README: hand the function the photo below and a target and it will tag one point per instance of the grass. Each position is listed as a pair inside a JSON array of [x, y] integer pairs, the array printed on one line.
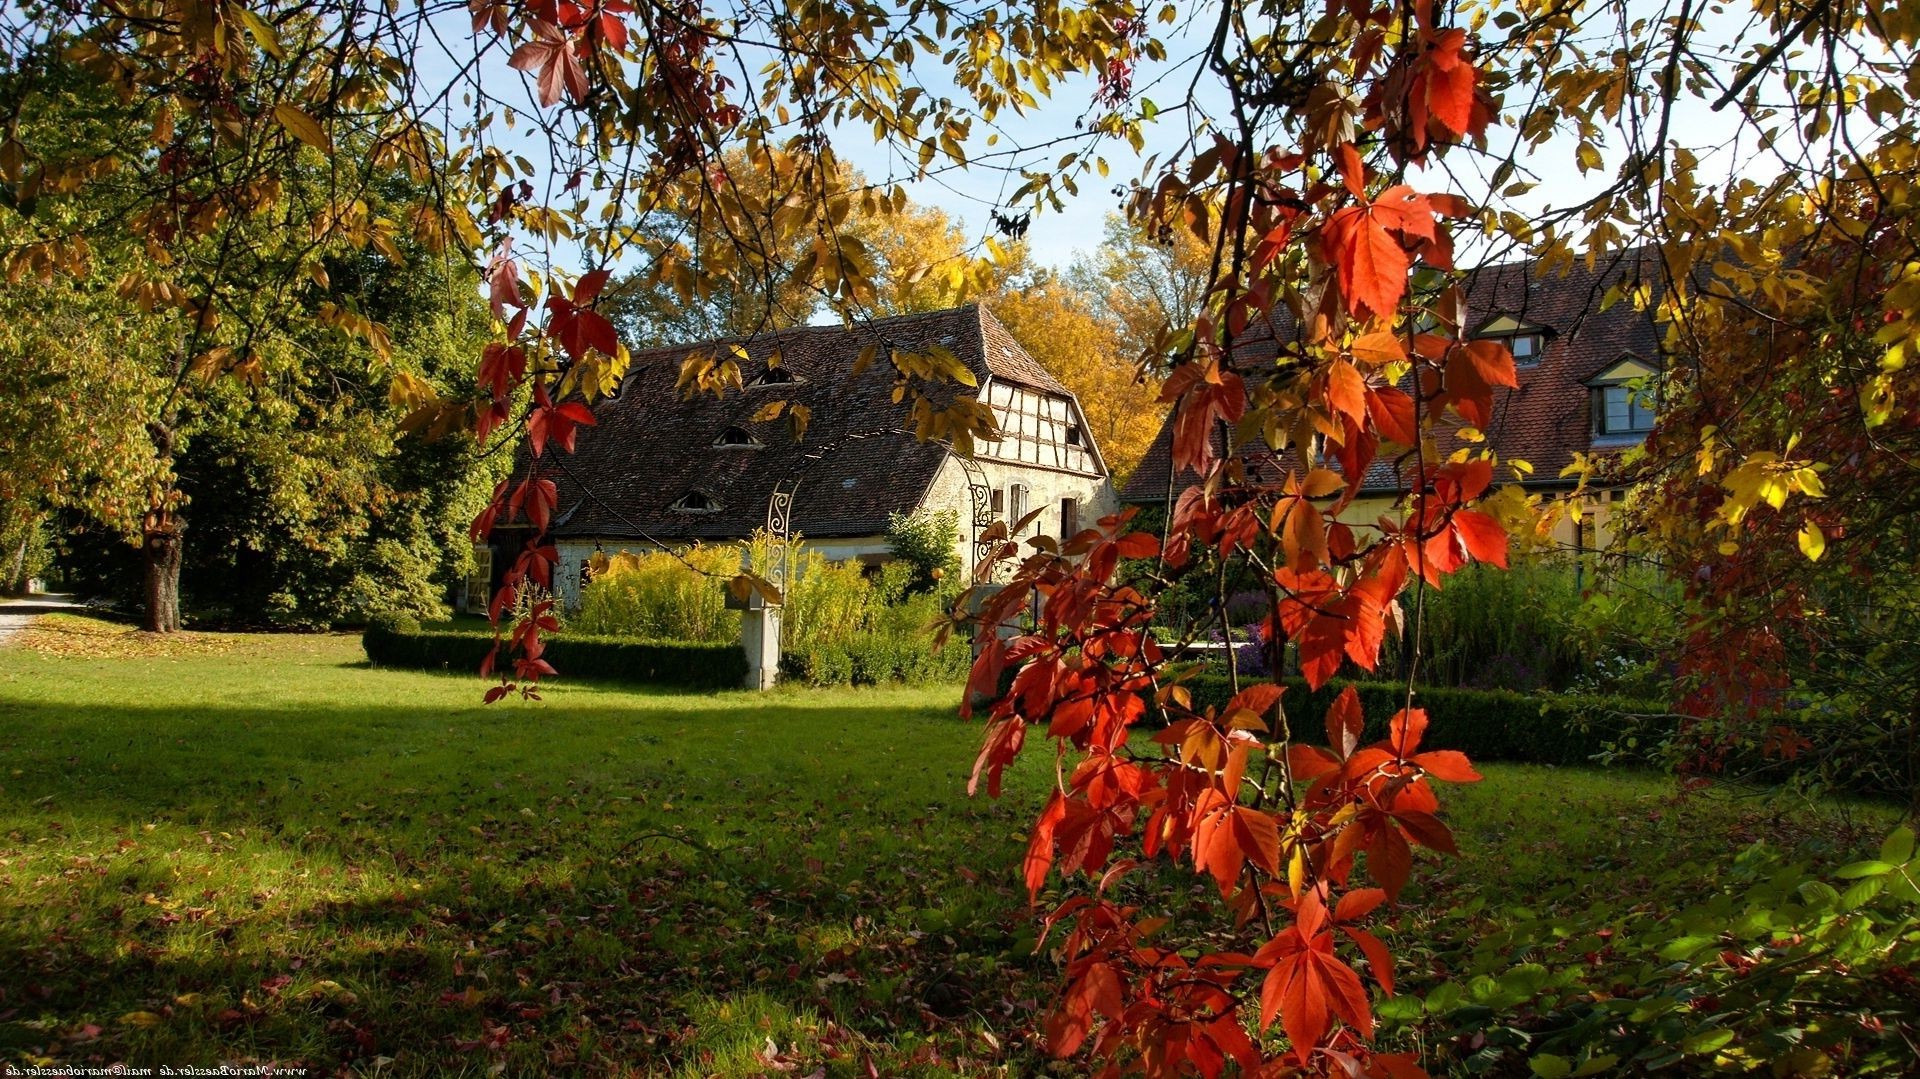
[[254, 848]]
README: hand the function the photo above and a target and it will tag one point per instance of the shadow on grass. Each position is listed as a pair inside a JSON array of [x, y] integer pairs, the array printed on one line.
[[598, 888]]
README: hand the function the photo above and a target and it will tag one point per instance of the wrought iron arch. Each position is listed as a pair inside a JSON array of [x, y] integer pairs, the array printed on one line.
[[786, 491]]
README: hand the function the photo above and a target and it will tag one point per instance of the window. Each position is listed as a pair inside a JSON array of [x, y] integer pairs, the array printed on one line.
[[1526, 348], [1016, 501], [695, 502], [736, 438], [1069, 518], [480, 581], [998, 502], [775, 376], [1620, 411], [1075, 437]]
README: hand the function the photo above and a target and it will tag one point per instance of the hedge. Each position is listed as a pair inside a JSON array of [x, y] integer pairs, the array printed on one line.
[[875, 659], [401, 643], [1485, 724]]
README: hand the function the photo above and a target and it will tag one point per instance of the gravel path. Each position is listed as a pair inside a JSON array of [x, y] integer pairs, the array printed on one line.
[[16, 614]]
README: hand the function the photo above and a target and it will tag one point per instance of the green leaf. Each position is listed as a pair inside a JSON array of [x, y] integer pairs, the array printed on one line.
[[1596, 1065], [1706, 1041], [1684, 947], [1898, 847], [1444, 998], [1863, 869], [1548, 1066]]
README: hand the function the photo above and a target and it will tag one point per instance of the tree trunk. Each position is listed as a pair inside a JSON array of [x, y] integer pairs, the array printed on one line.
[[16, 581], [163, 542]]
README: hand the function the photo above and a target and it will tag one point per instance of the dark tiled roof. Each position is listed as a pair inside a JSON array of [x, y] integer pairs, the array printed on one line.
[[650, 448], [1547, 419]]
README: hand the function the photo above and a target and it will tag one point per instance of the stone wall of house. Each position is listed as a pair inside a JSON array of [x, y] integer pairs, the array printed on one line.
[[1046, 490]]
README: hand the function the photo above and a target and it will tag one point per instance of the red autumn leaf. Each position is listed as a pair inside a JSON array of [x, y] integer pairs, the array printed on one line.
[[503, 283], [1004, 739], [1393, 415], [1258, 699], [1405, 211], [1450, 765], [1308, 985], [1481, 536], [1372, 264], [1040, 844], [1443, 86], [1379, 960], [1206, 393], [1405, 730], [1347, 390], [550, 58], [501, 367], [1345, 723], [1226, 836], [589, 287]]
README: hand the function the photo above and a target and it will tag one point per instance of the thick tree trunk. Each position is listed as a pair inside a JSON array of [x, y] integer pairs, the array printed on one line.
[[161, 548]]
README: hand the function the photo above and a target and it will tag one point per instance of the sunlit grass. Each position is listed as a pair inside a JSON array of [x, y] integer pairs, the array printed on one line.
[[256, 848]]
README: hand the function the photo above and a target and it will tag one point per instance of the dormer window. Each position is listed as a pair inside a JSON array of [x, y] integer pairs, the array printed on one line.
[[1620, 411], [1527, 342], [736, 438], [695, 501], [1623, 400], [775, 376]]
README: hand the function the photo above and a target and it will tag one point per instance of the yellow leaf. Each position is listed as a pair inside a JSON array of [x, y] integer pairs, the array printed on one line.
[[302, 127], [140, 1019], [262, 33], [1813, 542]]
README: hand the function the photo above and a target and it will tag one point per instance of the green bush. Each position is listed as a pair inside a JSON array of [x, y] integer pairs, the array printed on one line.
[[691, 664], [1779, 968], [660, 595], [1485, 724]]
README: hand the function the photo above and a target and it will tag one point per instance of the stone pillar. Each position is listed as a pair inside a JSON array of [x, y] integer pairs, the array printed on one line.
[[760, 638]]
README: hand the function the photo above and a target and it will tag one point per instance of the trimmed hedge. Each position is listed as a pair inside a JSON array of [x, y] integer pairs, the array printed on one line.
[[1485, 724], [396, 643], [876, 659]]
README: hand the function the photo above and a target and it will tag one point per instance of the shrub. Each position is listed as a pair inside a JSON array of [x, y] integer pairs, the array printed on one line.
[[1777, 969], [692, 664], [1545, 728], [926, 543], [662, 595]]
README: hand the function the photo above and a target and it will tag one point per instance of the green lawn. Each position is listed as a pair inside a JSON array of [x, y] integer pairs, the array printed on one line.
[[256, 848]]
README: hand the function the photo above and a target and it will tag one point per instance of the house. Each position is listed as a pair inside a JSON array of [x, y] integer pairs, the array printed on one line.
[[1580, 351], [659, 469]]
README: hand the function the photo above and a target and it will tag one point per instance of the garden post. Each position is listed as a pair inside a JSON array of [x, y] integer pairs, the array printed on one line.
[[760, 637]]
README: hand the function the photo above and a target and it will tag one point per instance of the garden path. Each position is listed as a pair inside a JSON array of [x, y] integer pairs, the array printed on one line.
[[17, 614]]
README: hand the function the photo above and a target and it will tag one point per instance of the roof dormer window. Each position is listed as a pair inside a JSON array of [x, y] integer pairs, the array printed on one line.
[[1526, 341], [736, 438], [775, 376], [695, 501]]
